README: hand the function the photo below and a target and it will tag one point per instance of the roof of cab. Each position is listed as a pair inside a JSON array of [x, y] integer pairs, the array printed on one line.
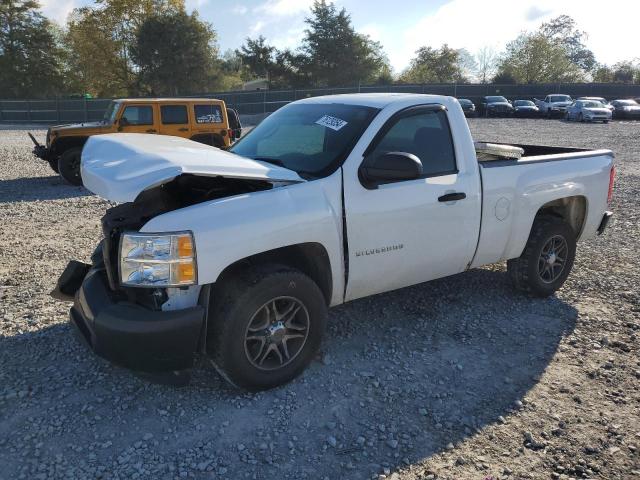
[[167, 100], [377, 100]]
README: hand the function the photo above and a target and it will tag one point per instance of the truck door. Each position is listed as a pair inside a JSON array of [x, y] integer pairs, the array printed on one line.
[[138, 119], [174, 120], [411, 231]]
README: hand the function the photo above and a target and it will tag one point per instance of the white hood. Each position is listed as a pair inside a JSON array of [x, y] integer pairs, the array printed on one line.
[[119, 166]]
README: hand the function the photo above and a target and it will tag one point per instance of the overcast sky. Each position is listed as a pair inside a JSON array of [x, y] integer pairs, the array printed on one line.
[[402, 27]]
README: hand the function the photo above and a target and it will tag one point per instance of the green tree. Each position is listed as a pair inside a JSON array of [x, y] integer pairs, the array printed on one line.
[[30, 56], [535, 58], [176, 54], [563, 31], [431, 65], [257, 57], [99, 39], [336, 55]]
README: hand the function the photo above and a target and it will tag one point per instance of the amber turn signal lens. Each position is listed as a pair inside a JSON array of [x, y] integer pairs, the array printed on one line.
[[186, 273], [185, 247]]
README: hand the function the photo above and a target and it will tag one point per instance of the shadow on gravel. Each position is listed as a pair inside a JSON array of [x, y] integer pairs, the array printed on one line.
[[404, 374], [38, 188]]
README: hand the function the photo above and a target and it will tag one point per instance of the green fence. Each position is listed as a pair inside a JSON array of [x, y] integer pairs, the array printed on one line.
[[266, 101]]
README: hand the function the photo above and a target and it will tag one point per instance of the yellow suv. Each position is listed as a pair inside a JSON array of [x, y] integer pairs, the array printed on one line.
[[204, 120]]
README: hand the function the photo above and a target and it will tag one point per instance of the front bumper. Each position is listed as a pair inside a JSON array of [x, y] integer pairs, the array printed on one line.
[[131, 335]]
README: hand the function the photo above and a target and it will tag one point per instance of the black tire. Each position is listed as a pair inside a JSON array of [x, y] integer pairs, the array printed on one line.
[[525, 271], [69, 165], [240, 302], [54, 165]]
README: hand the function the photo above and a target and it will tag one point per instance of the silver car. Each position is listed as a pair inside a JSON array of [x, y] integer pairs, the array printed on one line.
[[588, 111]]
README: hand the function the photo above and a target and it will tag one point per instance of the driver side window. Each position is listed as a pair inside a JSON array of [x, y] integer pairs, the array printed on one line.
[[426, 135], [138, 115]]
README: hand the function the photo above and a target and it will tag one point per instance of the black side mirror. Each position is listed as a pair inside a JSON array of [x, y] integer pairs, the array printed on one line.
[[390, 167]]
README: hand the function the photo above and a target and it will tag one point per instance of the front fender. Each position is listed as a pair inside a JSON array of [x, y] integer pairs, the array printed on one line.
[[230, 229]]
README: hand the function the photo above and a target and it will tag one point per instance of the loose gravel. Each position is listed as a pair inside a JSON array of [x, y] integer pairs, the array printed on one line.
[[460, 378]]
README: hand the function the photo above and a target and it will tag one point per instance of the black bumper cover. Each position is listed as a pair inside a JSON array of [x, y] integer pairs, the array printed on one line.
[[131, 335]]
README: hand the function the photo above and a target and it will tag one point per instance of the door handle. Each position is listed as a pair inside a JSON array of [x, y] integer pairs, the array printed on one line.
[[151, 130], [183, 129], [452, 197]]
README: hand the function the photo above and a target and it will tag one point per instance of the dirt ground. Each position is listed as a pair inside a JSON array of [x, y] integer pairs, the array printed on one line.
[[461, 378]]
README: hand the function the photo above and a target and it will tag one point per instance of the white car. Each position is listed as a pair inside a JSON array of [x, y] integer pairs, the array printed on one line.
[[238, 254], [554, 104], [588, 111], [602, 100]]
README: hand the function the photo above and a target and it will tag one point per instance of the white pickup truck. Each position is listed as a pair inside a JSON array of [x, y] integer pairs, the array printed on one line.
[[238, 254], [554, 104]]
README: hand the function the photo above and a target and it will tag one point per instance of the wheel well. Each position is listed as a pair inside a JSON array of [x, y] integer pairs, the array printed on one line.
[[63, 144], [572, 210], [311, 259]]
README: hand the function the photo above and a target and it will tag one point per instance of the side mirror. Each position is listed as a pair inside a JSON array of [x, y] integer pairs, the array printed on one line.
[[390, 167]]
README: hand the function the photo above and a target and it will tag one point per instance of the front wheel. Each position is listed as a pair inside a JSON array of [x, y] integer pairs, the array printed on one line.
[[547, 258], [54, 165], [69, 165], [266, 326]]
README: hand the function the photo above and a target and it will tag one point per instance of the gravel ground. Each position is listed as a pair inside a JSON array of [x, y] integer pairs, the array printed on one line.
[[460, 378]]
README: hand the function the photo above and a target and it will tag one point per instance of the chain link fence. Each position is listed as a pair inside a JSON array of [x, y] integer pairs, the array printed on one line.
[[64, 110]]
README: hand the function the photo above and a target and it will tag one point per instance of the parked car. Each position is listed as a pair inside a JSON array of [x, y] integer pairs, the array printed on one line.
[[626, 109], [204, 120], [554, 105], [525, 108], [588, 111], [468, 107], [602, 100], [237, 254], [496, 106]]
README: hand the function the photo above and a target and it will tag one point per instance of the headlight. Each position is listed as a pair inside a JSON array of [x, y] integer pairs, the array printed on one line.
[[157, 260]]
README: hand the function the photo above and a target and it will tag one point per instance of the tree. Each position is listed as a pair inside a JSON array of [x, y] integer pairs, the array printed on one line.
[[30, 55], [99, 38], [336, 55], [176, 54], [626, 72], [487, 61], [562, 30], [257, 57], [442, 65], [534, 58]]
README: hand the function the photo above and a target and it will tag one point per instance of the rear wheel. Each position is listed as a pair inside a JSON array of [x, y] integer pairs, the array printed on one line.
[[69, 165], [547, 258], [266, 326]]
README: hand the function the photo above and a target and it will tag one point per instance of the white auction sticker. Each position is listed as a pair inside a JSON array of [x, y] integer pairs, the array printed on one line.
[[331, 122]]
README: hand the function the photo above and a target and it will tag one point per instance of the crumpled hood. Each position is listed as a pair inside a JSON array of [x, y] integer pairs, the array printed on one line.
[[119, 166]]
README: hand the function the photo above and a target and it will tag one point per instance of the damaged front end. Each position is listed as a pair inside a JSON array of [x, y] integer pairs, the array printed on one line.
[[153, 329]]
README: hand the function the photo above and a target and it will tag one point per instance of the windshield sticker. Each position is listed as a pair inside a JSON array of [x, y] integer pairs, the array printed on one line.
[[331, 122]]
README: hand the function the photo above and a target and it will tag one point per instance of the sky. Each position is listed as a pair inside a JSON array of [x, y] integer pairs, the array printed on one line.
[[404, 27]]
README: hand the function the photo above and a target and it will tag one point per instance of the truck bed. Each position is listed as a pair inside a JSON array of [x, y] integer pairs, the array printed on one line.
[[541, 153]]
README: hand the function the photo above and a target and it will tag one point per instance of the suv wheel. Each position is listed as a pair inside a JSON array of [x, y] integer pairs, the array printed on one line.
[[547, 258], [69, 165], [266, 326]]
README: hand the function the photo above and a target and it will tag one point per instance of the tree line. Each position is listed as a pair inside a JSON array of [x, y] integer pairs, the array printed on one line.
[[155, 47]]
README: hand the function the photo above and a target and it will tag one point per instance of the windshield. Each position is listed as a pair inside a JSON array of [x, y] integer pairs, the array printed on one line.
[[111, 112], [308, 138], [627, 103], [559, 98], [496, 100], [523, 103], [592, 104], [464, 101]]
